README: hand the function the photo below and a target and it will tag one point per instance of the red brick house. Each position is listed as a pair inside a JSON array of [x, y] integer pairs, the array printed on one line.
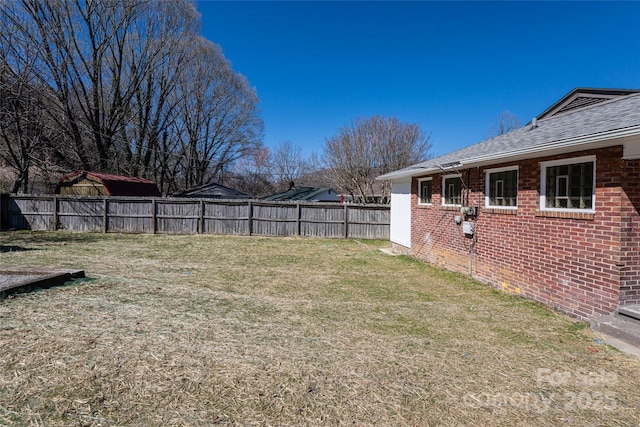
[[550, 211]]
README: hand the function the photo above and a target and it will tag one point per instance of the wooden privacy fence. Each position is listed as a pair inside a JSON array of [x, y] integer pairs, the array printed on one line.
[[191, 216]]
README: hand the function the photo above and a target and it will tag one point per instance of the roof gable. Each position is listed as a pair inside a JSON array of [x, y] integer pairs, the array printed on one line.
[[583, 97]]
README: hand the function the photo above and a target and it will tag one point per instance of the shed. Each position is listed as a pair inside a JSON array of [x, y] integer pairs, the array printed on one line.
[[83, 183]]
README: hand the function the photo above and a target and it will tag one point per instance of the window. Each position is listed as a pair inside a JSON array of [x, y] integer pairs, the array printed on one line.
[[452, 190], [501, 187], [568, 184], [424, 191]]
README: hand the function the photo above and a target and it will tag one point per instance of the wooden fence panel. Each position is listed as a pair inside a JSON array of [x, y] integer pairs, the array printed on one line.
[[190, 216], [274, 219], [80, 214], [178, 216], [322, 220], [31, 213], [369, 223], [130, 215], [226, 218]]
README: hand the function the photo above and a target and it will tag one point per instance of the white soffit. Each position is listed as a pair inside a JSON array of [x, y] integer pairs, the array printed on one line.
[[631, 149]]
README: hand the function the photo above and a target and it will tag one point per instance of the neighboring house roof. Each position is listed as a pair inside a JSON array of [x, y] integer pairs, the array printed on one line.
[[309, 194], [114, 185], [604, 124], [213, 191]]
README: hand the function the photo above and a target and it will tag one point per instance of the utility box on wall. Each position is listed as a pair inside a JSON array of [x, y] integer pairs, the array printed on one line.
[[467, 228], [468, 210]]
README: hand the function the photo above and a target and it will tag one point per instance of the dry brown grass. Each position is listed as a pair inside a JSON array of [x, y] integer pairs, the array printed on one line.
[[204, 330]]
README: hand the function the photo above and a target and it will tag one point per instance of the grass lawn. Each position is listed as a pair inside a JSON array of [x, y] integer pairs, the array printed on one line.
[[211, 330]]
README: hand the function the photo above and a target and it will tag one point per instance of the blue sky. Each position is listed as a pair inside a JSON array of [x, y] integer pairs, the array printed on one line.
[[450, 67]]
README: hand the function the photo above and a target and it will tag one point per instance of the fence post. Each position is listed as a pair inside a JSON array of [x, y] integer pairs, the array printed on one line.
[[298, 218], [55, 212], [154, 208], [201, 219], [250, 217], [346, 221], [105, 207]]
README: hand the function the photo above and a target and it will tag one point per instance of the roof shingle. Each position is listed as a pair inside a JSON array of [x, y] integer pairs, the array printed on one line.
[[599, 119]]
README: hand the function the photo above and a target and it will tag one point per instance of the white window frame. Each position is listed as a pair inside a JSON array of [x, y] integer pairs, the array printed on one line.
[[444, 189], [487, 186], [562, 162], [420, 181]]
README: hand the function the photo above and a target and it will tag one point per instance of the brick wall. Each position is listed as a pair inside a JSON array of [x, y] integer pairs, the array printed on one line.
[[583, 264], [630, 233]]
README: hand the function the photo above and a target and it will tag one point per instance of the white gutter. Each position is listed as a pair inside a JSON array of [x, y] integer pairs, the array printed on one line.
[[536, 149], [403, 174]]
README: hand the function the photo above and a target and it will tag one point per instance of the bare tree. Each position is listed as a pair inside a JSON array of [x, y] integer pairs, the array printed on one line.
[[252, 173], [503, 123], [25, 131], [288, 165], [130, 87], [315, 174], [82, 50], [370, 147], [218, 119], [22, 128], [149, 142]]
